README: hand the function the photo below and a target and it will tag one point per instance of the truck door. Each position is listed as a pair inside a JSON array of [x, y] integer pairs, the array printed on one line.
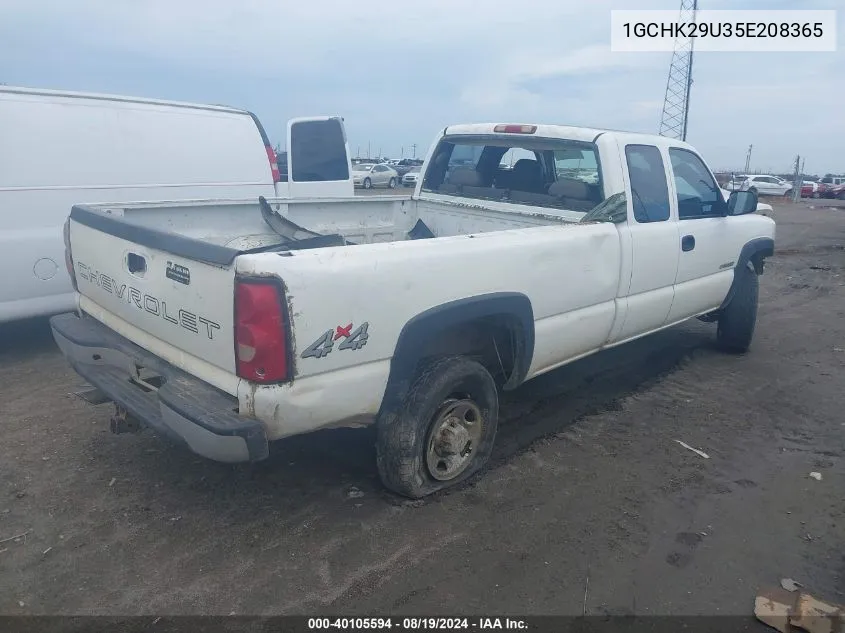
[[708, 252], [318, 159], [650, 238]]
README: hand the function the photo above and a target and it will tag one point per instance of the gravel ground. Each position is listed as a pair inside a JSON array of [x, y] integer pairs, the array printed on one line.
[[587, 482]]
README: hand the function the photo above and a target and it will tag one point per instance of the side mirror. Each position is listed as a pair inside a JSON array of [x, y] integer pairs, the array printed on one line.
[[742, 202]]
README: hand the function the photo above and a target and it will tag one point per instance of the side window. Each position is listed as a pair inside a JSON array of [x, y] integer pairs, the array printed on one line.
[[698, 194], [649, 190], [318, 151]]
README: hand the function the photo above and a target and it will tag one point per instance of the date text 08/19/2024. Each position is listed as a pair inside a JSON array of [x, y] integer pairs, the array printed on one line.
[[415, 624]]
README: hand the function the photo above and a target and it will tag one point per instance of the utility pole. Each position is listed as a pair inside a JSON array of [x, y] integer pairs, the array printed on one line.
[[748, 159], [414, 147], [368, 149], [358, 152], [796, 180], [402, 152]]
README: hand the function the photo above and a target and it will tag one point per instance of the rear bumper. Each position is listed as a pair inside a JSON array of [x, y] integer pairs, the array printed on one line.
[[184, 408]]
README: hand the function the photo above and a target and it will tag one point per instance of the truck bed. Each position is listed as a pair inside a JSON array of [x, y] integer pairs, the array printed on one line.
[[216, 231]]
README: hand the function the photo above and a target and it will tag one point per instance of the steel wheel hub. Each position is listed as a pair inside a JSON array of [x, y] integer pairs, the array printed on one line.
[[453, 439]]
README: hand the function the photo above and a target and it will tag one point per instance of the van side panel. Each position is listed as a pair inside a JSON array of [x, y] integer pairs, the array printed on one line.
[[59, 150], [78, 142]]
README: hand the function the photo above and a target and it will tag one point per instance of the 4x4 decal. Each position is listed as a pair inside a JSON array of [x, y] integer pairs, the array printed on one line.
[[353, 340]]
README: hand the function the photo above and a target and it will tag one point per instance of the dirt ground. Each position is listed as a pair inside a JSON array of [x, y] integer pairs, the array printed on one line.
[[588, 482]]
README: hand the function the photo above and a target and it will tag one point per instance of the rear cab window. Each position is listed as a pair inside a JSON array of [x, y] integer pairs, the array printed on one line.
[[542, 172], [649, 187], [318, 151]]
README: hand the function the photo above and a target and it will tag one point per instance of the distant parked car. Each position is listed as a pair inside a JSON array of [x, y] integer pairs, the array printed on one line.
[[410, 179], [735, 182], [814, 189], [809, 189], [823, 189], [764, 185], [833, 187], [404, 165], [367, 176]]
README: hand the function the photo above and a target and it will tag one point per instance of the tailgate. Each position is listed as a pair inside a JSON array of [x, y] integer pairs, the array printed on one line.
[[158, 283]]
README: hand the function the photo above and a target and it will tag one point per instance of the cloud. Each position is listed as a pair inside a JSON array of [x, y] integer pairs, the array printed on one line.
[[399, 71], [523, 75]]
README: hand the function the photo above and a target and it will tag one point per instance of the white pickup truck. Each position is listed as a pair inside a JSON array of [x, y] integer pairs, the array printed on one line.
[[230, 324]]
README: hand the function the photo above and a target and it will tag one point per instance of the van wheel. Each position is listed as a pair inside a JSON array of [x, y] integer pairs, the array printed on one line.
[[738, 319], [391, 184], [368, 184], [443, 431]]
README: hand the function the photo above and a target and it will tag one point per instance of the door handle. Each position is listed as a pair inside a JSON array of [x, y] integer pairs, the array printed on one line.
[[687, 243]]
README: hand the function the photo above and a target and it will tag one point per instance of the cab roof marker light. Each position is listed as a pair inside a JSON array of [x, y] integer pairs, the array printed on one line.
[[511, 128]]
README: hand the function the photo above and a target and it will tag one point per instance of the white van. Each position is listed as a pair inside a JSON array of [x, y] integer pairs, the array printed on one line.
[[58, 149]]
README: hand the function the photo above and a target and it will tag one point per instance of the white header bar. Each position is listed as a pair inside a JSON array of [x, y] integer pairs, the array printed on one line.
[[724, 31]]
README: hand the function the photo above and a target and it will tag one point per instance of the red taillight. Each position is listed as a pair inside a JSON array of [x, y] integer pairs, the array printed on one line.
[[68, 255], [274, 164], [261, 350], [515, 129]]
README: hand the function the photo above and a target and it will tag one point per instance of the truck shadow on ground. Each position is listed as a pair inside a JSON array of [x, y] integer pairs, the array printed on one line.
[[341, 462], [335, 463], [23, 339]]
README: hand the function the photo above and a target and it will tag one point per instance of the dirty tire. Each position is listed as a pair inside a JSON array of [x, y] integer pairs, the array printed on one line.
[[368, 184], [403, 434], [737, 321]]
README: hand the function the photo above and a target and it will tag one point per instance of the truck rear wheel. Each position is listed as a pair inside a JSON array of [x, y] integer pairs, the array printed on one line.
[[443, 432], [737, 320]]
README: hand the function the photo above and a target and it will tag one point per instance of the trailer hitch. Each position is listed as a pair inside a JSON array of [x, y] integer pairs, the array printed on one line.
[[123, 422]]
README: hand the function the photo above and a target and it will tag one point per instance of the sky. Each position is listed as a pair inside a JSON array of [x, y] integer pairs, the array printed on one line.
[[400, 70]]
